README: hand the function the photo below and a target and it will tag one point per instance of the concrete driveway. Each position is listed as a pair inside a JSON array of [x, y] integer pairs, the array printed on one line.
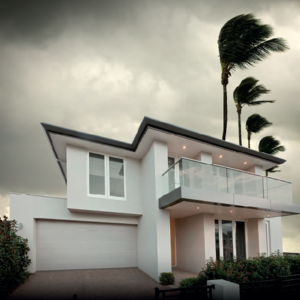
[[128, 283]]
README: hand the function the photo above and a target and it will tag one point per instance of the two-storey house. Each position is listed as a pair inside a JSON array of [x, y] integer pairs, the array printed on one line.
[[173, 197]]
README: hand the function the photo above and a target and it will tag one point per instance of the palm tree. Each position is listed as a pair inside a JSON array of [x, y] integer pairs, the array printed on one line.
[[255, 124], [246, 94], [243, 42], [272, 170], [270, 145]]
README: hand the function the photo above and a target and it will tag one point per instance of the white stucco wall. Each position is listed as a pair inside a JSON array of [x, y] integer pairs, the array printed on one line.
[[154, 245], [195, 241], [275, 234], [256, 170], [77, 187], [27, 208], [256, 233], [257, 241], [204, 157]]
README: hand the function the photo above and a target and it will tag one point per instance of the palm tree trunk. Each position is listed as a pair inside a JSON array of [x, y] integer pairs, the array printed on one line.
[[225, 113], [249, 138], [224, 82], [239, 111]]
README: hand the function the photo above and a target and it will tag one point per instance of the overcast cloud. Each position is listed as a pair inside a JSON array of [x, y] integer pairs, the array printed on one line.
[[101, 66]]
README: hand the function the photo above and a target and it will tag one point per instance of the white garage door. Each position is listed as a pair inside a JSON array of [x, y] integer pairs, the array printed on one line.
[[63, 245]]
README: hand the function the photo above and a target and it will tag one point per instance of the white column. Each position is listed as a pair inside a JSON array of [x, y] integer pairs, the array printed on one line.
[[195, 241], [154, 244], [256, 237], [256, 169], [204, 157], [275, 234]]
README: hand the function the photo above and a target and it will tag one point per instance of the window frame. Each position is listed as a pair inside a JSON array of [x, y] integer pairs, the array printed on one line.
[[268, 237], [233, 236], [106, 178]]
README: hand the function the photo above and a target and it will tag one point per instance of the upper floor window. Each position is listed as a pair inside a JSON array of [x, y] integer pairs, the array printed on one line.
[[106, 176]]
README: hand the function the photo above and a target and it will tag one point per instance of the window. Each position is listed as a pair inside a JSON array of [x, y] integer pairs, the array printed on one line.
[[227, 240], [240, 240], [106, 176], [230, 238], [268, 238], [171, 175], [217, 239], [97, 174]]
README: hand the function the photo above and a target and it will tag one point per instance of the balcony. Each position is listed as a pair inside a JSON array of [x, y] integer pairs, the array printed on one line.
[[193, 181]]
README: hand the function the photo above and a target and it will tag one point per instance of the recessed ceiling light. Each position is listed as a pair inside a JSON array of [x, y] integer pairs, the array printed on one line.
[[197, 207], [231, 211], [221, 156], [245, 163], [268, 215], [184, 147]]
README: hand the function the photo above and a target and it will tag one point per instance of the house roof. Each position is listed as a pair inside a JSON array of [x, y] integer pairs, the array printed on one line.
[[157, 125]]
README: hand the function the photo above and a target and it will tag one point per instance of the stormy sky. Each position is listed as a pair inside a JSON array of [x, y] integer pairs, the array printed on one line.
[[101, 66]]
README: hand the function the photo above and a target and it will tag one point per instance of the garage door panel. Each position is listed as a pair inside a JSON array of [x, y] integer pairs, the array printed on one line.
[[78, 254], [87, 264], [79, 245], [72, 245], [67, 234]]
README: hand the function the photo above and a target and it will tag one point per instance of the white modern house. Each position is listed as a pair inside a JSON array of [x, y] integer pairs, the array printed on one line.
[[173, 197]]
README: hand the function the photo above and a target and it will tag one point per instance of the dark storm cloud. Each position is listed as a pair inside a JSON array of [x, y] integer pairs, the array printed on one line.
[[39, 21], [100, 66]]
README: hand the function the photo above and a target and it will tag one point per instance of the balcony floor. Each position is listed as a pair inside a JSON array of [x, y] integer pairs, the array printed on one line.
[[183, 202]]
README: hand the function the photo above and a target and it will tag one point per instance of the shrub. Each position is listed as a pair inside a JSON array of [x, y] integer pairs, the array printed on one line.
[[248, 270], [13, 257], [189, 282], [166, 278], [294, 263]]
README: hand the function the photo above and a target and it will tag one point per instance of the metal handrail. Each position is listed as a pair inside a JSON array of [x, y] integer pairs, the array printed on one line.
[[197, 161]]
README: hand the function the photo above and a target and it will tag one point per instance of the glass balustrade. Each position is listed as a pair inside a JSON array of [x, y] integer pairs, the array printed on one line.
[[195, 174]]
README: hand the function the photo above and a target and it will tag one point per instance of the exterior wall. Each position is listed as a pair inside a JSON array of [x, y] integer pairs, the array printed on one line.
[[256, 237], [204, 157], [154, 245], [195, 241], [27, 208], [77, 188], [256, 170], [275, 234]]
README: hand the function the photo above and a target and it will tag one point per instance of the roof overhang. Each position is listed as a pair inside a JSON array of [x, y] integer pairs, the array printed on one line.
[[149, 130]]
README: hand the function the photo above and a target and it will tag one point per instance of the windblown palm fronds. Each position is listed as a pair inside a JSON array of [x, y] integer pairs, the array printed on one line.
[[247, 93], [255, 124], [243, 42]]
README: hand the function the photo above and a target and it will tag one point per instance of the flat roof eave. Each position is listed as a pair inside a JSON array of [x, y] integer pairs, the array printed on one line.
[[155, 124]]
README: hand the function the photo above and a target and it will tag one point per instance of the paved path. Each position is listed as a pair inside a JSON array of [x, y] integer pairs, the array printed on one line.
[[128, 283]]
